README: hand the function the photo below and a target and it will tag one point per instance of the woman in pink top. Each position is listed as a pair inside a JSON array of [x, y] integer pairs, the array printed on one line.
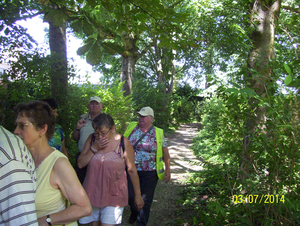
[[105, 182]]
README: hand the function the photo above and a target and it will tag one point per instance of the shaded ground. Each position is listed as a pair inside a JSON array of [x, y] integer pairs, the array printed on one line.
[[166, 209]]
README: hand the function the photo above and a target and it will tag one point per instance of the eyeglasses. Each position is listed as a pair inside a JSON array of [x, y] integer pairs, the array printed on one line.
[[22, 125], [101, 134]]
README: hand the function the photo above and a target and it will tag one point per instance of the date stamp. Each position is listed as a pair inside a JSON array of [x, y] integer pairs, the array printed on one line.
[[258, 199]]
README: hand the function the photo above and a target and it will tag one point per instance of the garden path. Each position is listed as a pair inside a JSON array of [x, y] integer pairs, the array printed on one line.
[[165, 209]]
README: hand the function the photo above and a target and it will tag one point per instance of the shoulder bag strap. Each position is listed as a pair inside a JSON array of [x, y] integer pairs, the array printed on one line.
[[142, 137], [122, 144]]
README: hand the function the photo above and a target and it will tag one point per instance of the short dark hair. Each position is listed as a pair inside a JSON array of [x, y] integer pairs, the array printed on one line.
[[51, 103], [39, 113], [103, 120]]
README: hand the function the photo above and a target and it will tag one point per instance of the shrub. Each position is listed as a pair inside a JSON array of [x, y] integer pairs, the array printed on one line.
[[274, 169]]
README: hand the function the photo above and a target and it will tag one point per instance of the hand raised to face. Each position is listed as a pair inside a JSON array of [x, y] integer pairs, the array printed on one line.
[[100, 143], [80, 124]]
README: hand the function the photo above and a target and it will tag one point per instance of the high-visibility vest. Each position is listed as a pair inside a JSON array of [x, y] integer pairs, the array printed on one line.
[[159, 152]]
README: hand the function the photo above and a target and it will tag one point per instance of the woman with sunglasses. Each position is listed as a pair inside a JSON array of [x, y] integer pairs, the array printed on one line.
[[57, 183], [108, 155]]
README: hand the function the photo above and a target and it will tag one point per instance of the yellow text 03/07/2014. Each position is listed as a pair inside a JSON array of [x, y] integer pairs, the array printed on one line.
[[258, 199]]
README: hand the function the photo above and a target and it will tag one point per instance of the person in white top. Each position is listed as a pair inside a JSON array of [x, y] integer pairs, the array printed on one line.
[[17, 182]]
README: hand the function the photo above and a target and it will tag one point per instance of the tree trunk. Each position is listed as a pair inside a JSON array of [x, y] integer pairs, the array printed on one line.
[[263, 23], [128, 65], [129, 60], [165, 66], [59, 69]]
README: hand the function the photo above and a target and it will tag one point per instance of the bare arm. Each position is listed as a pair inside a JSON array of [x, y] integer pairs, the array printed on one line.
[[63, 177], [131, 169], [167, 161], [86, 154], [76, 132], [76, 135]]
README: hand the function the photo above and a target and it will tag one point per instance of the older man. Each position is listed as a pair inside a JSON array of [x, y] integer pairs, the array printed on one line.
[[17, 182], [84, 128]]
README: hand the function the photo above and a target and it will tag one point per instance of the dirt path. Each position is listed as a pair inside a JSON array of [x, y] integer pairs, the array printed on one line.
[[165, 208]]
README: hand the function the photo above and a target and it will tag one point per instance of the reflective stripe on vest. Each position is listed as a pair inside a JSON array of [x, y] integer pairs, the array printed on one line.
[[159, 152]]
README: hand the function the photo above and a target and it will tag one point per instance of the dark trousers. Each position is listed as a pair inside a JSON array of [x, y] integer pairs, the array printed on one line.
[[80, 172], [148, 182]]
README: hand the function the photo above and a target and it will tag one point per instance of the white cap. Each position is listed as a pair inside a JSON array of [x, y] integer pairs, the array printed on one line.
[[95, 98], [145, 111]]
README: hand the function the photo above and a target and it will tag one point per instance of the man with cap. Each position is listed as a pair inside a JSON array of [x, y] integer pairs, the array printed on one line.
[[84, 128], [152, 161]]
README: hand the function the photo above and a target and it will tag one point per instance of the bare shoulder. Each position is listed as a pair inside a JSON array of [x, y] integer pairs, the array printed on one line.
[[62, 173], [117, 136], [62, 164]]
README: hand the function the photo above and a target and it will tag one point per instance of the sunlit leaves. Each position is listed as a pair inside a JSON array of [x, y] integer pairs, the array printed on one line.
[[83, 49], [93, 57], [112, 48], [243, 94], [288, 79], [288, 69], [291, 80]]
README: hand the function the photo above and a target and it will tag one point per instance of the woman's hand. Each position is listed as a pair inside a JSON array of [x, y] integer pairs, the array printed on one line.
[[100, 143], [138, 202], [42, 221], [167, 175]]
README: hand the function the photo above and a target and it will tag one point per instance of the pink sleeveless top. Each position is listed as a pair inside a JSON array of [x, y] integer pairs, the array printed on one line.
[[105, 182]]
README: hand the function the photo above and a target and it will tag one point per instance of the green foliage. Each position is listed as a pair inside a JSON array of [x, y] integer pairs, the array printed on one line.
[[118, 106], [111, 22], [182, 109], [186, 104], [274, 155], [28, 79], [291, 80], [144, 94]]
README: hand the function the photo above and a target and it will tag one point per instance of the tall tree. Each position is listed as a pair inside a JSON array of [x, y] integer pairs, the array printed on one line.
[[263, 23], [56, 16]]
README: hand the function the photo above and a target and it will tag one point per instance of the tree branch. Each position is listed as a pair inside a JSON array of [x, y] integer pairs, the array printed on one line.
[[145, 50], [30, 16]]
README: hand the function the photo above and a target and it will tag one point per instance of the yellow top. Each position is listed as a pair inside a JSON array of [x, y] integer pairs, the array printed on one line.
[[47, 199]]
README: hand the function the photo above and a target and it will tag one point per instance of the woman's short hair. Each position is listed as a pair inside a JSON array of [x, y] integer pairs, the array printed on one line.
[[39, 113], [102, 120], [52, 103]]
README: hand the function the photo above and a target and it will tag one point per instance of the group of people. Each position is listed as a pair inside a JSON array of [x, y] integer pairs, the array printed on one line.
[[112, 170], [38, 184]]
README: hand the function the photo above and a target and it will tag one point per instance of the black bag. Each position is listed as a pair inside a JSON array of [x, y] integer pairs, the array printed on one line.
[[80, 172]]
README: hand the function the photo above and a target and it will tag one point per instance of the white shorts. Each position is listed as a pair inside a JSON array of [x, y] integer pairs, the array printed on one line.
[[107, 215]]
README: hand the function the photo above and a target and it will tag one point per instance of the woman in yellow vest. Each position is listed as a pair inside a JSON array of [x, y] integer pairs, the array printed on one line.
[[152, 161], [57, 182]]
